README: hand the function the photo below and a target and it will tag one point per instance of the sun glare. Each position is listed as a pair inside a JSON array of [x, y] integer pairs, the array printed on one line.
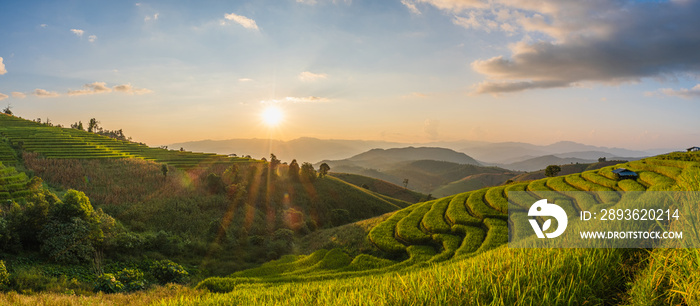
[[272, 116]]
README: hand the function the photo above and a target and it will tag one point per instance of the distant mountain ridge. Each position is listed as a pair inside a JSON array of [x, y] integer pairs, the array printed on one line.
[[307, 149]]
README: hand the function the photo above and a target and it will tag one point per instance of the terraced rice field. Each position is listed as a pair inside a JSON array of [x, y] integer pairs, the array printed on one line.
[[13, 184], [54, 142], [460, 226]]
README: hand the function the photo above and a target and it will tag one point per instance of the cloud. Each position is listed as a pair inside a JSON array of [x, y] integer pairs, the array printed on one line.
[[454, 6], [128, 89], [242, 20], [307, 76], [245, 80], [43, 25], [411, 6], [19, 95], [582, 42], [94, 88], [92, 38], [309, 2], [681, 93], [78, 32], [309, 99], [149, 17], [3, 96], [42, 93], [430, 127], [2, 67]]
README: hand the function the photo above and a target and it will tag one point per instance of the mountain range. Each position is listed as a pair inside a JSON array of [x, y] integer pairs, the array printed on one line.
[[502, 153]]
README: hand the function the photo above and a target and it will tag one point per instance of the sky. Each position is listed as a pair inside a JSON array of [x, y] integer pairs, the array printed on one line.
[[607, 73]]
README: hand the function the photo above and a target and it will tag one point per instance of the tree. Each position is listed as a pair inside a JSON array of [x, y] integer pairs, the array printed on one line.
[[552, 170], [323, 169], [78, 126], [8, 110], [274, 163], [294, 170], [405, 183], [601, 159], [308, 173], [93, 125], [164, 170]]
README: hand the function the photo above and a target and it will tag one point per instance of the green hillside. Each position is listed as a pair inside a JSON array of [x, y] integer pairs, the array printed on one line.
[[56, 143], [450, 250], [215, 214], [382, 187]]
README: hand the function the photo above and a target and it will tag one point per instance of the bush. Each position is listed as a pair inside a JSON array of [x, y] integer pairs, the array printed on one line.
[[132, 279], [165, 271], [108, 283], [4, 276]]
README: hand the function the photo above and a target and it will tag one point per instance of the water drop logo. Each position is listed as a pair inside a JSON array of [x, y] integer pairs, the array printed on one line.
[[543, 209]]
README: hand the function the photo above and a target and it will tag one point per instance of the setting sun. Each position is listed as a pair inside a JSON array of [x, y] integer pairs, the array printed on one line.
[[272, 116]]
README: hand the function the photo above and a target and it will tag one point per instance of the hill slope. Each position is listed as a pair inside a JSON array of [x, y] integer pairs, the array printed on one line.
[[465, 231]]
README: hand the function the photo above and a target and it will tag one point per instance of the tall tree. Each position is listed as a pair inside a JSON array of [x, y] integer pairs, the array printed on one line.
[[294, 170], [552, 170], [308, 173], [323, 170], [93, 125]]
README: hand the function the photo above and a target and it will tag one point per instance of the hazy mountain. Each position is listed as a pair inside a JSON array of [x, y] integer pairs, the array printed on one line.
[[513, 152], [302, 149], [376, 158]]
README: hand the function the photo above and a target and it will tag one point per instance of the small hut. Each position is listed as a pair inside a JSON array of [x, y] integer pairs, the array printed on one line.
[[623, 174]]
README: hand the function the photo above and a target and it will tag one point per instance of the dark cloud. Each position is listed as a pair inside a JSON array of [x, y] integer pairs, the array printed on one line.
[[608, 42]]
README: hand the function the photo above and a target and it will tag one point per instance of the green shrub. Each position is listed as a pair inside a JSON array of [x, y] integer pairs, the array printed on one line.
[[4, 276], [166, 271], [132, 279], [108, 283]]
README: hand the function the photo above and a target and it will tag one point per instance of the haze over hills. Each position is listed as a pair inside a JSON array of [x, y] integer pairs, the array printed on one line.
[[314, 150], [426, 169]]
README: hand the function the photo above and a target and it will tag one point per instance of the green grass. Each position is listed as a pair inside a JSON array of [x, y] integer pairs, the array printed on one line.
[[434, 220]]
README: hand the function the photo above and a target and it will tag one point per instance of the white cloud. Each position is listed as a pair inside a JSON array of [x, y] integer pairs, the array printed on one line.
[[128, 89], [154, 17], [309, 99], [3, 96], [92, 38], [245, 80], [42, 93], [78, 32], [309, 2], [430, 127], [307, 76], [19, 95], [2, 67], [43, 25], [682, 93], [94, 88], [411, 6], [455, 6], [243, 21]]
